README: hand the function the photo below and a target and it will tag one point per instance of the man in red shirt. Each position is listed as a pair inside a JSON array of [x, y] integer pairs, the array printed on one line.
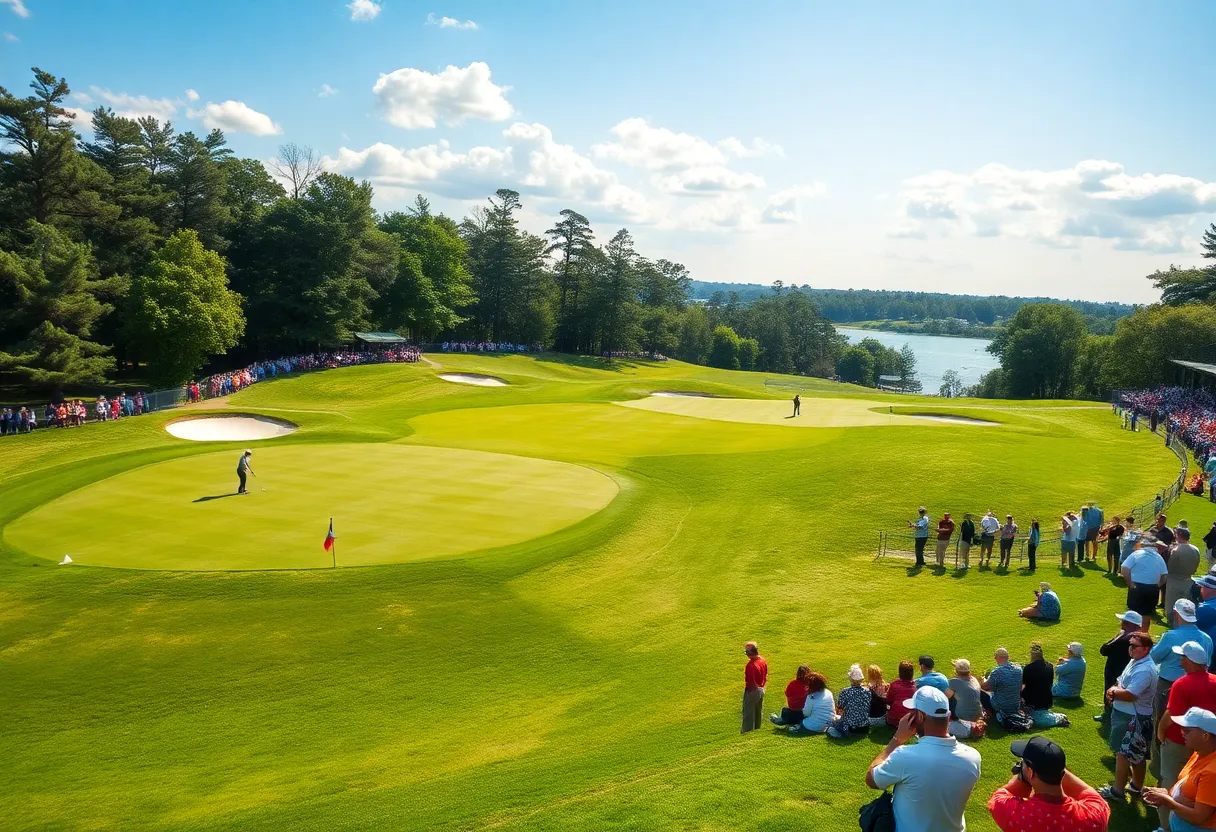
[[945, 528], [1043, 794], [755, 677], [1195, 689]]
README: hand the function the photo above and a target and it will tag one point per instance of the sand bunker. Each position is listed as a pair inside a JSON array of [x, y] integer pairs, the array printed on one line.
[[473, 378], [816, 412], [951, 417], [229, 428], [682, 394]]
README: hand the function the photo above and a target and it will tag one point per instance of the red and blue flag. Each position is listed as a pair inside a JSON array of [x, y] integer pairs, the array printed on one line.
[[331, 537]]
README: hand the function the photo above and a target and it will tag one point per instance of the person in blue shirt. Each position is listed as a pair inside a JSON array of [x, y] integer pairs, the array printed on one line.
[[1070, 673], [1081, 530], [921, 535], [1032, 542], [1093, 522], [1205, 613], [1046, 606], [929, 676]]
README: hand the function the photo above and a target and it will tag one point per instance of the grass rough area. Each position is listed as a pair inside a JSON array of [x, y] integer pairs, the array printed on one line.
[[586, 674]]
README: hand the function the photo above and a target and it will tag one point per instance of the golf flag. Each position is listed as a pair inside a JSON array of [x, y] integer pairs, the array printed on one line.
[[331, 537]]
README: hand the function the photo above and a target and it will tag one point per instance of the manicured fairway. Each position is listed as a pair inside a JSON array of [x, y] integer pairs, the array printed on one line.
[[558, 646], [390, 504]]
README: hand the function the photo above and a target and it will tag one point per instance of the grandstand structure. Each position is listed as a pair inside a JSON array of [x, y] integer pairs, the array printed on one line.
[[1194, 374]]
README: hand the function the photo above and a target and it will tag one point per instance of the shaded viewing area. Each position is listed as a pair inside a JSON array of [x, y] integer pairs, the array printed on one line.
[[1194, 374]]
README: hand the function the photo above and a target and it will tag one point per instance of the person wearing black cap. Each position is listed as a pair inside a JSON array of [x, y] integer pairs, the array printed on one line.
[[1044, 794]]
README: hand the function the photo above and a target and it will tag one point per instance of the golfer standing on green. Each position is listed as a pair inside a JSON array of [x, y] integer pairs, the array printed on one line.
[[241, 468]]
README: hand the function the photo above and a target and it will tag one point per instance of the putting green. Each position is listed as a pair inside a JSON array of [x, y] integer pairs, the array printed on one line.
[[390, 504], [816, 412]]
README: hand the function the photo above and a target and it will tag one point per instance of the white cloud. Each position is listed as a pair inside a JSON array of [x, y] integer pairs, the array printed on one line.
[[18, 7], [191, 95], [639, 145], [449, 22], [1093, 200], [414, 98], [326, 91], [10, 37], [709, 179], [758, 147], [236, 117], [531, 162], [135, 106], [81, 118], [363, 9], [783, 206]]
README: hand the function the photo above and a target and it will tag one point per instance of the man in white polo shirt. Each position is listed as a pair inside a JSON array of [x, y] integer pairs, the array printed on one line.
[[933, 779]]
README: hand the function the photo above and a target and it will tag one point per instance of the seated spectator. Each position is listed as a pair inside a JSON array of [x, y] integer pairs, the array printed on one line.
[[820, 708], [932, 779], [853, 707], [1037, 678], [968, 721], [929, 676], [1070, 673], [795, 699], [1044, 795], [1004, 684], [1046, 605], [878, 694], [901, 689], [1192, 801]]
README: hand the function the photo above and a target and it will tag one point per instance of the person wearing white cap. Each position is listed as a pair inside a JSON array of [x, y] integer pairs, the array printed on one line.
[[934, 778], [921, 534], [1116, 653], [968, 703], [1144, 573], [1169, 661], [1195, 689], [1070, 673], [1131, 718], [1191, 803]]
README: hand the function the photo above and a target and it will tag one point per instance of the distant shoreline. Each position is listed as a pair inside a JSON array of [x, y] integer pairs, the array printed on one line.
[[978, 333]]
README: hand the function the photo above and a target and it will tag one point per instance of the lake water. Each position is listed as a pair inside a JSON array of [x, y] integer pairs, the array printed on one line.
[[935, 354]]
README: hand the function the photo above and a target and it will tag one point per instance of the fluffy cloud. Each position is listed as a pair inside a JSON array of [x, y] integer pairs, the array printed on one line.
[[363, 9], [191, 95], [414, 98], [531, 161], [326, 91], [782, 207], [134, 106], [707, 180], [1094, 199], [236, 117], [640, 145], [449, 22], [10, 37], [17, 6]]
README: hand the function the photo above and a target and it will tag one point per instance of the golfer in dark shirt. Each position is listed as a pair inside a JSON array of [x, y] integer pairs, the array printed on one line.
[[242, 468], [797, 405]]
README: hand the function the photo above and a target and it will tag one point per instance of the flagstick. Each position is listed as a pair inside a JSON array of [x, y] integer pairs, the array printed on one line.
[[333, 549]]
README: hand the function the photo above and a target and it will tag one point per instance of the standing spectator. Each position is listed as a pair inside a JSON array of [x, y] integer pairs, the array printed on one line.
[[1114, 532], [1068, 540], [1118, 654], [1181, 566], [1144, 572], [1131, 718], [920, 535], [1196, 688], [934, 778], [989, 526], [795, 699], [1170, 664], [1044, 795], [945, 528], [1205, 613], [1192, 801], [755, 677], [1081, 529], [967, 536], [1008, 532], [968, 718], [1032, 542], [1093, 525], [853, 706], [1209, 540], [1070, 673], [900, 690], [1004, 684], [1037, 679]]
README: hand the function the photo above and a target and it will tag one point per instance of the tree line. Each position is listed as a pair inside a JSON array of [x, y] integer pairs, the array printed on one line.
[[1046, 351], [149, 251]]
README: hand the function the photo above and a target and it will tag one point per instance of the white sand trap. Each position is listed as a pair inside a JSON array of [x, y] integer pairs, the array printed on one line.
[[473, 378], [954, 418], [816, 412], [229, 428], [682, 394]]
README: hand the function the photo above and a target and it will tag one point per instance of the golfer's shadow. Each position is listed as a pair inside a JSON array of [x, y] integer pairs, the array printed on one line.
[[216, 497]]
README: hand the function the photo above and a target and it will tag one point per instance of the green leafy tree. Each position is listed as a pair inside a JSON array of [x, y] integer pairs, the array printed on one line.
[[908, 382], [50, 292], [952, 385], [442, 287], [497, 261], [1182, 286], [197, 184], [696, 335], [615, 295], [749, 353], [571, 240], [724, 352], [180, 310], [856, 366], [1039, 349], [1145, 341]]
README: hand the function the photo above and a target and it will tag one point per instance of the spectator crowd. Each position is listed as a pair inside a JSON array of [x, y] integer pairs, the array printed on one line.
[[488, 346], [73, 413]]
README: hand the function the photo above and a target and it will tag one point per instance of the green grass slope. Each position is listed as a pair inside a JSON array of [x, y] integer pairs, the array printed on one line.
[[587, 677]]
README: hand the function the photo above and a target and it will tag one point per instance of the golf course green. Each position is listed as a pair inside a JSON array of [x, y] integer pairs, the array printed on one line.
[[541, 598]]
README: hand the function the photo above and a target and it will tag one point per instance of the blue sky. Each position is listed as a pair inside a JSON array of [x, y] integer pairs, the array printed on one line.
[[1060, 149]]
